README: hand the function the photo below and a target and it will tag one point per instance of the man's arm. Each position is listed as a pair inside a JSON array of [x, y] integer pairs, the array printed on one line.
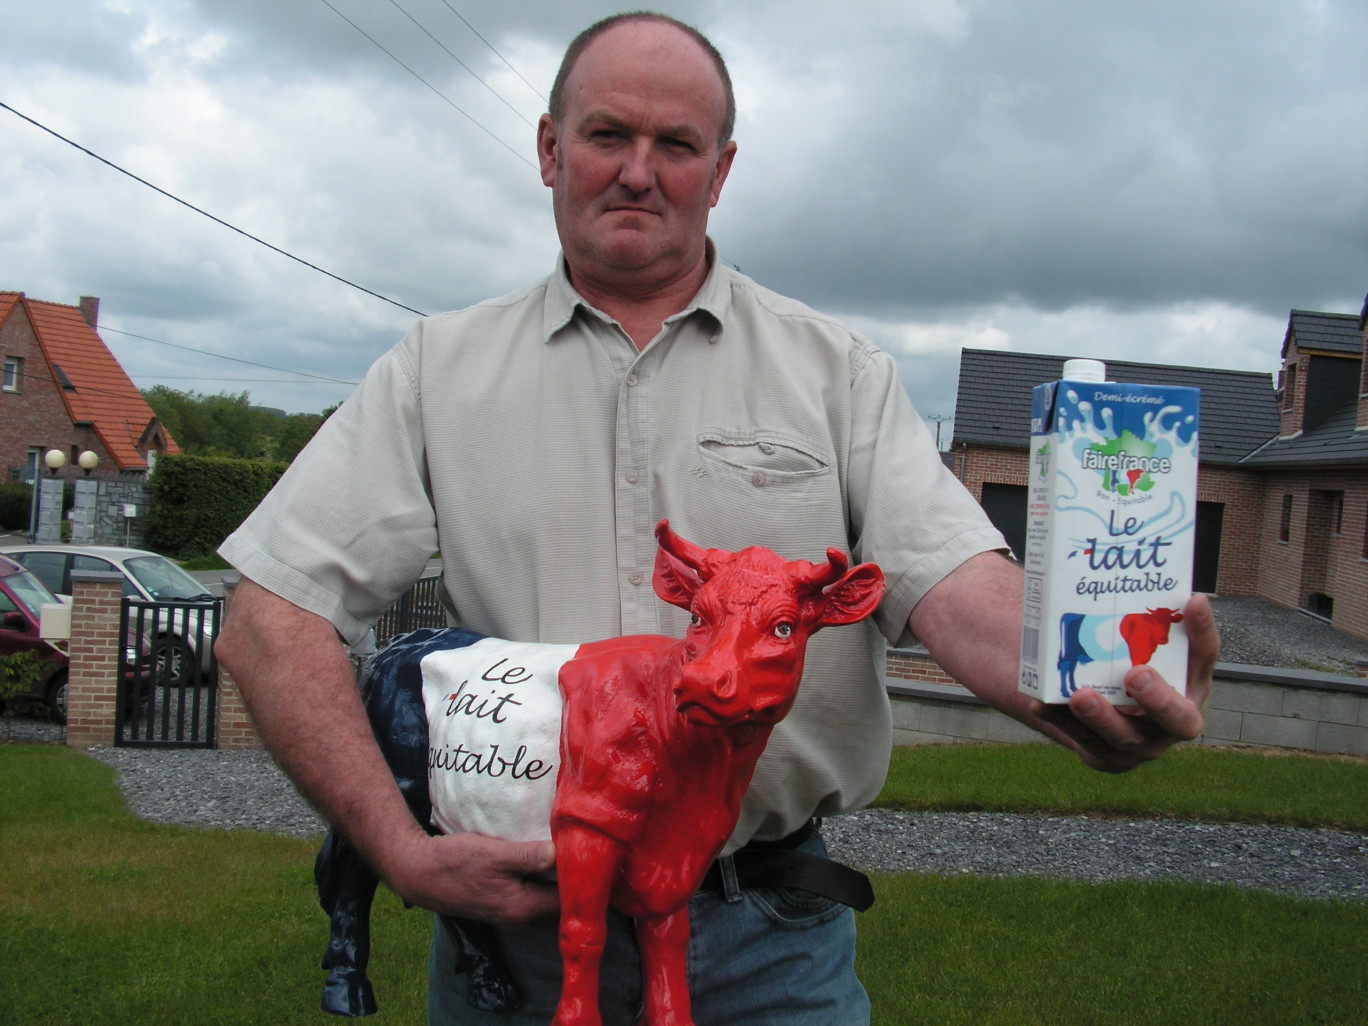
[[970, 622], [299, 685]]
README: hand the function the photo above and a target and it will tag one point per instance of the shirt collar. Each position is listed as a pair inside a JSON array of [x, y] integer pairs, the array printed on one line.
[[562, 301]]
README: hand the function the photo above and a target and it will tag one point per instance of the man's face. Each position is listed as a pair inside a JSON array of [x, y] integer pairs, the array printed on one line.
[[634, 166]]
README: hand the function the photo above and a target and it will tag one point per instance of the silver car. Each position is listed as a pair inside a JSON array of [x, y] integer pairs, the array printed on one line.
[[147, 577]]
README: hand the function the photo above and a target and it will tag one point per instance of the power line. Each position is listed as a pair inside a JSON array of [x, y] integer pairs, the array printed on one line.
[[430, 86], [205, 213], [462, 63], [493, 51], [231, 359]]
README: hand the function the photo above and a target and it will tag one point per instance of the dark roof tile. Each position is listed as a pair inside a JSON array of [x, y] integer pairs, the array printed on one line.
[[993, 407]]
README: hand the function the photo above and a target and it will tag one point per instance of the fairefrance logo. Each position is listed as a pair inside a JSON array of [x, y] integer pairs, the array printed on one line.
[[1127, 463], [1042, 460]]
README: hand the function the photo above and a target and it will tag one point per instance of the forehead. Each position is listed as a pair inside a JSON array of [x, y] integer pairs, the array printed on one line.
[[646, 68], [746, 582]]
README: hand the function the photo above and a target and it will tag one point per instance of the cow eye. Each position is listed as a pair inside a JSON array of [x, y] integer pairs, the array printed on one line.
[[783, 630], [694, 619]]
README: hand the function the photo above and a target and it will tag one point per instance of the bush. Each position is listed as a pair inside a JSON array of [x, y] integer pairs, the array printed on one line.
[[197, 501], [15, 504], [20, 674]]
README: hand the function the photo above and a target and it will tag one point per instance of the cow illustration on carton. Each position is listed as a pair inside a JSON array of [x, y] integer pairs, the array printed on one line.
[[653, 740], [1088, 637]]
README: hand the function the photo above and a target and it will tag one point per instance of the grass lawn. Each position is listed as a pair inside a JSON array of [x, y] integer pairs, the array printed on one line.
[[107, 919]]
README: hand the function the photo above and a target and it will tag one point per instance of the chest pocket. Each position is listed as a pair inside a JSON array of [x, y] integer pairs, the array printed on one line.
[[761, 458]]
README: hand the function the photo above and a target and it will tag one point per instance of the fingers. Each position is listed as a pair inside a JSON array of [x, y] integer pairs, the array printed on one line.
[[1204, 647], [477, 877]]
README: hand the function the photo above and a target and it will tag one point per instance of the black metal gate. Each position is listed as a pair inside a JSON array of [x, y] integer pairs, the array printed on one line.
[[420, 606], [168, 676]]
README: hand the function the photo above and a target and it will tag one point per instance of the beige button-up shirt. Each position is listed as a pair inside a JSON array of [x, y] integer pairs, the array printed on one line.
[[529, 441]]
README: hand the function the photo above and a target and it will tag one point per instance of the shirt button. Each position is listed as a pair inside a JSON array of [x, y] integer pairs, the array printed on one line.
[[758, 479], [636, 580], [632, 477], [631, 380]]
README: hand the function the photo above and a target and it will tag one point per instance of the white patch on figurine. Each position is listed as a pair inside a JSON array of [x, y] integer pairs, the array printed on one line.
[[494, 715]]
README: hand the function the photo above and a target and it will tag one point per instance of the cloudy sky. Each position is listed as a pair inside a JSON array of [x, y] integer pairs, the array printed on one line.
[[1135, 179]]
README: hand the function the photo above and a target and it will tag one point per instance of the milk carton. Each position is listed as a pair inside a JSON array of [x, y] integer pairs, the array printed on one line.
[[1109, 533]]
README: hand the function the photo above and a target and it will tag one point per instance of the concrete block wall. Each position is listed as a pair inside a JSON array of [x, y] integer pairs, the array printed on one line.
[[1249, 705], [1316, 712]]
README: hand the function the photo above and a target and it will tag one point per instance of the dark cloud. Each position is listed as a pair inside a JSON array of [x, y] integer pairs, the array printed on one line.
[[1168, 178]]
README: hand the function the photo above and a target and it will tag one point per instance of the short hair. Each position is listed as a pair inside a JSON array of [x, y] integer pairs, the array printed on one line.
[[556, 106]]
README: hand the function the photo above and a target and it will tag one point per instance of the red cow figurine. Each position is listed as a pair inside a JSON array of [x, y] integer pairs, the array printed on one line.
[[659, 738]]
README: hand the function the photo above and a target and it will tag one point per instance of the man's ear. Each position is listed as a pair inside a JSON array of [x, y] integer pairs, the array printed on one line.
[[548, 141], [721, 170]]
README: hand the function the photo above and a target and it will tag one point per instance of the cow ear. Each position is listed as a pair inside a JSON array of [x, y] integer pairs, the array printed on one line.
[[853, 597], [674, 581]]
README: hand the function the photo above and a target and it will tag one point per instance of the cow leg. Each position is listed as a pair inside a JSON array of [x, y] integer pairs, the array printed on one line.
[[586, 865], [665, 969], [346, 888]]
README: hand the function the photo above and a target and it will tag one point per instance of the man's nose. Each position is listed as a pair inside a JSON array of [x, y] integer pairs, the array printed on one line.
[[637, 172]]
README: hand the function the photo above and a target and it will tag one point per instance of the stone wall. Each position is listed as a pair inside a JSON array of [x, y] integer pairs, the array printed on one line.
[[111, 526]]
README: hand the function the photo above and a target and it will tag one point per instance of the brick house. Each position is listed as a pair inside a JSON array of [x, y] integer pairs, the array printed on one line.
[[1282, 493], [1314, 539], [63, 389]]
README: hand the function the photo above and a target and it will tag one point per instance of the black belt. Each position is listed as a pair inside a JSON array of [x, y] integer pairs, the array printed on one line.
[[776, 864]]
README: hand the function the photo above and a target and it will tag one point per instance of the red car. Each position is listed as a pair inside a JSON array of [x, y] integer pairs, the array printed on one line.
[[22, 595]]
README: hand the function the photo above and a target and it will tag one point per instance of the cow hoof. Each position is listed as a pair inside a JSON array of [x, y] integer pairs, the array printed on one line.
[[348, 993]]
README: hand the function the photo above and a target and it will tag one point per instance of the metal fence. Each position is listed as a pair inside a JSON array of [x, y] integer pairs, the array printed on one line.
[[420, 606], [168, 676]]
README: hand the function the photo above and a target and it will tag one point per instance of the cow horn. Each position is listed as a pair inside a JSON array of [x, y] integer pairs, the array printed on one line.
[[686, 552], [828, 573]]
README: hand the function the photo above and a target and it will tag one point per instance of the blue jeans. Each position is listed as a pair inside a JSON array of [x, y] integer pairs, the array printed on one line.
[[757, 957]]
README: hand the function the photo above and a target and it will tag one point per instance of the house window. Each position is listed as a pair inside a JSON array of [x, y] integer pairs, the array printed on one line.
[[1285, 527], [14, 373]]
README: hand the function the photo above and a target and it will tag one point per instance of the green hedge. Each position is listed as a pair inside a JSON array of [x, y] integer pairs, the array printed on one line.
[[15, 502], [197, 501]]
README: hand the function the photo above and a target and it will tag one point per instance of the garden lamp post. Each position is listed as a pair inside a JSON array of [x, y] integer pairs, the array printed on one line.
[[51, 490], [83, 511]]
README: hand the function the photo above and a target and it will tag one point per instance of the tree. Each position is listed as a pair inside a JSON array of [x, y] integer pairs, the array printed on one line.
[[229, 425]]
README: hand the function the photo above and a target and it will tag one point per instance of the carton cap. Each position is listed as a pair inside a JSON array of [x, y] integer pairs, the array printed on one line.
[[1085, 370]]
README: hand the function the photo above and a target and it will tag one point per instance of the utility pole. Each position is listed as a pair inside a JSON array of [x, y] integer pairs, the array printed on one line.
[[939, 419]]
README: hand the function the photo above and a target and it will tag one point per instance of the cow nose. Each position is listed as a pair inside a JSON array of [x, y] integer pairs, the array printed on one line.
[[702, 682]]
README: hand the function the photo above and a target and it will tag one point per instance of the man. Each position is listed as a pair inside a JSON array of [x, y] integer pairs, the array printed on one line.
[[537, 438]]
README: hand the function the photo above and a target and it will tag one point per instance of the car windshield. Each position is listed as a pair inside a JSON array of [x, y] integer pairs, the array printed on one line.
[[30, 591], [164, 580]]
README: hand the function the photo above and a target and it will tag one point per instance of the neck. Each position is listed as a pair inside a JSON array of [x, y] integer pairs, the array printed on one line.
[[641, 309]]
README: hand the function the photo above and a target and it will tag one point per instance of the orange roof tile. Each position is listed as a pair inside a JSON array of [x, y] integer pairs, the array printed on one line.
[[100, 393]]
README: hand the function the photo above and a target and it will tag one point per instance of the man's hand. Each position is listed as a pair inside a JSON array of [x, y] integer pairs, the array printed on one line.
[[1119, 738], [475, 877], [295, 677], [971, 623]]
